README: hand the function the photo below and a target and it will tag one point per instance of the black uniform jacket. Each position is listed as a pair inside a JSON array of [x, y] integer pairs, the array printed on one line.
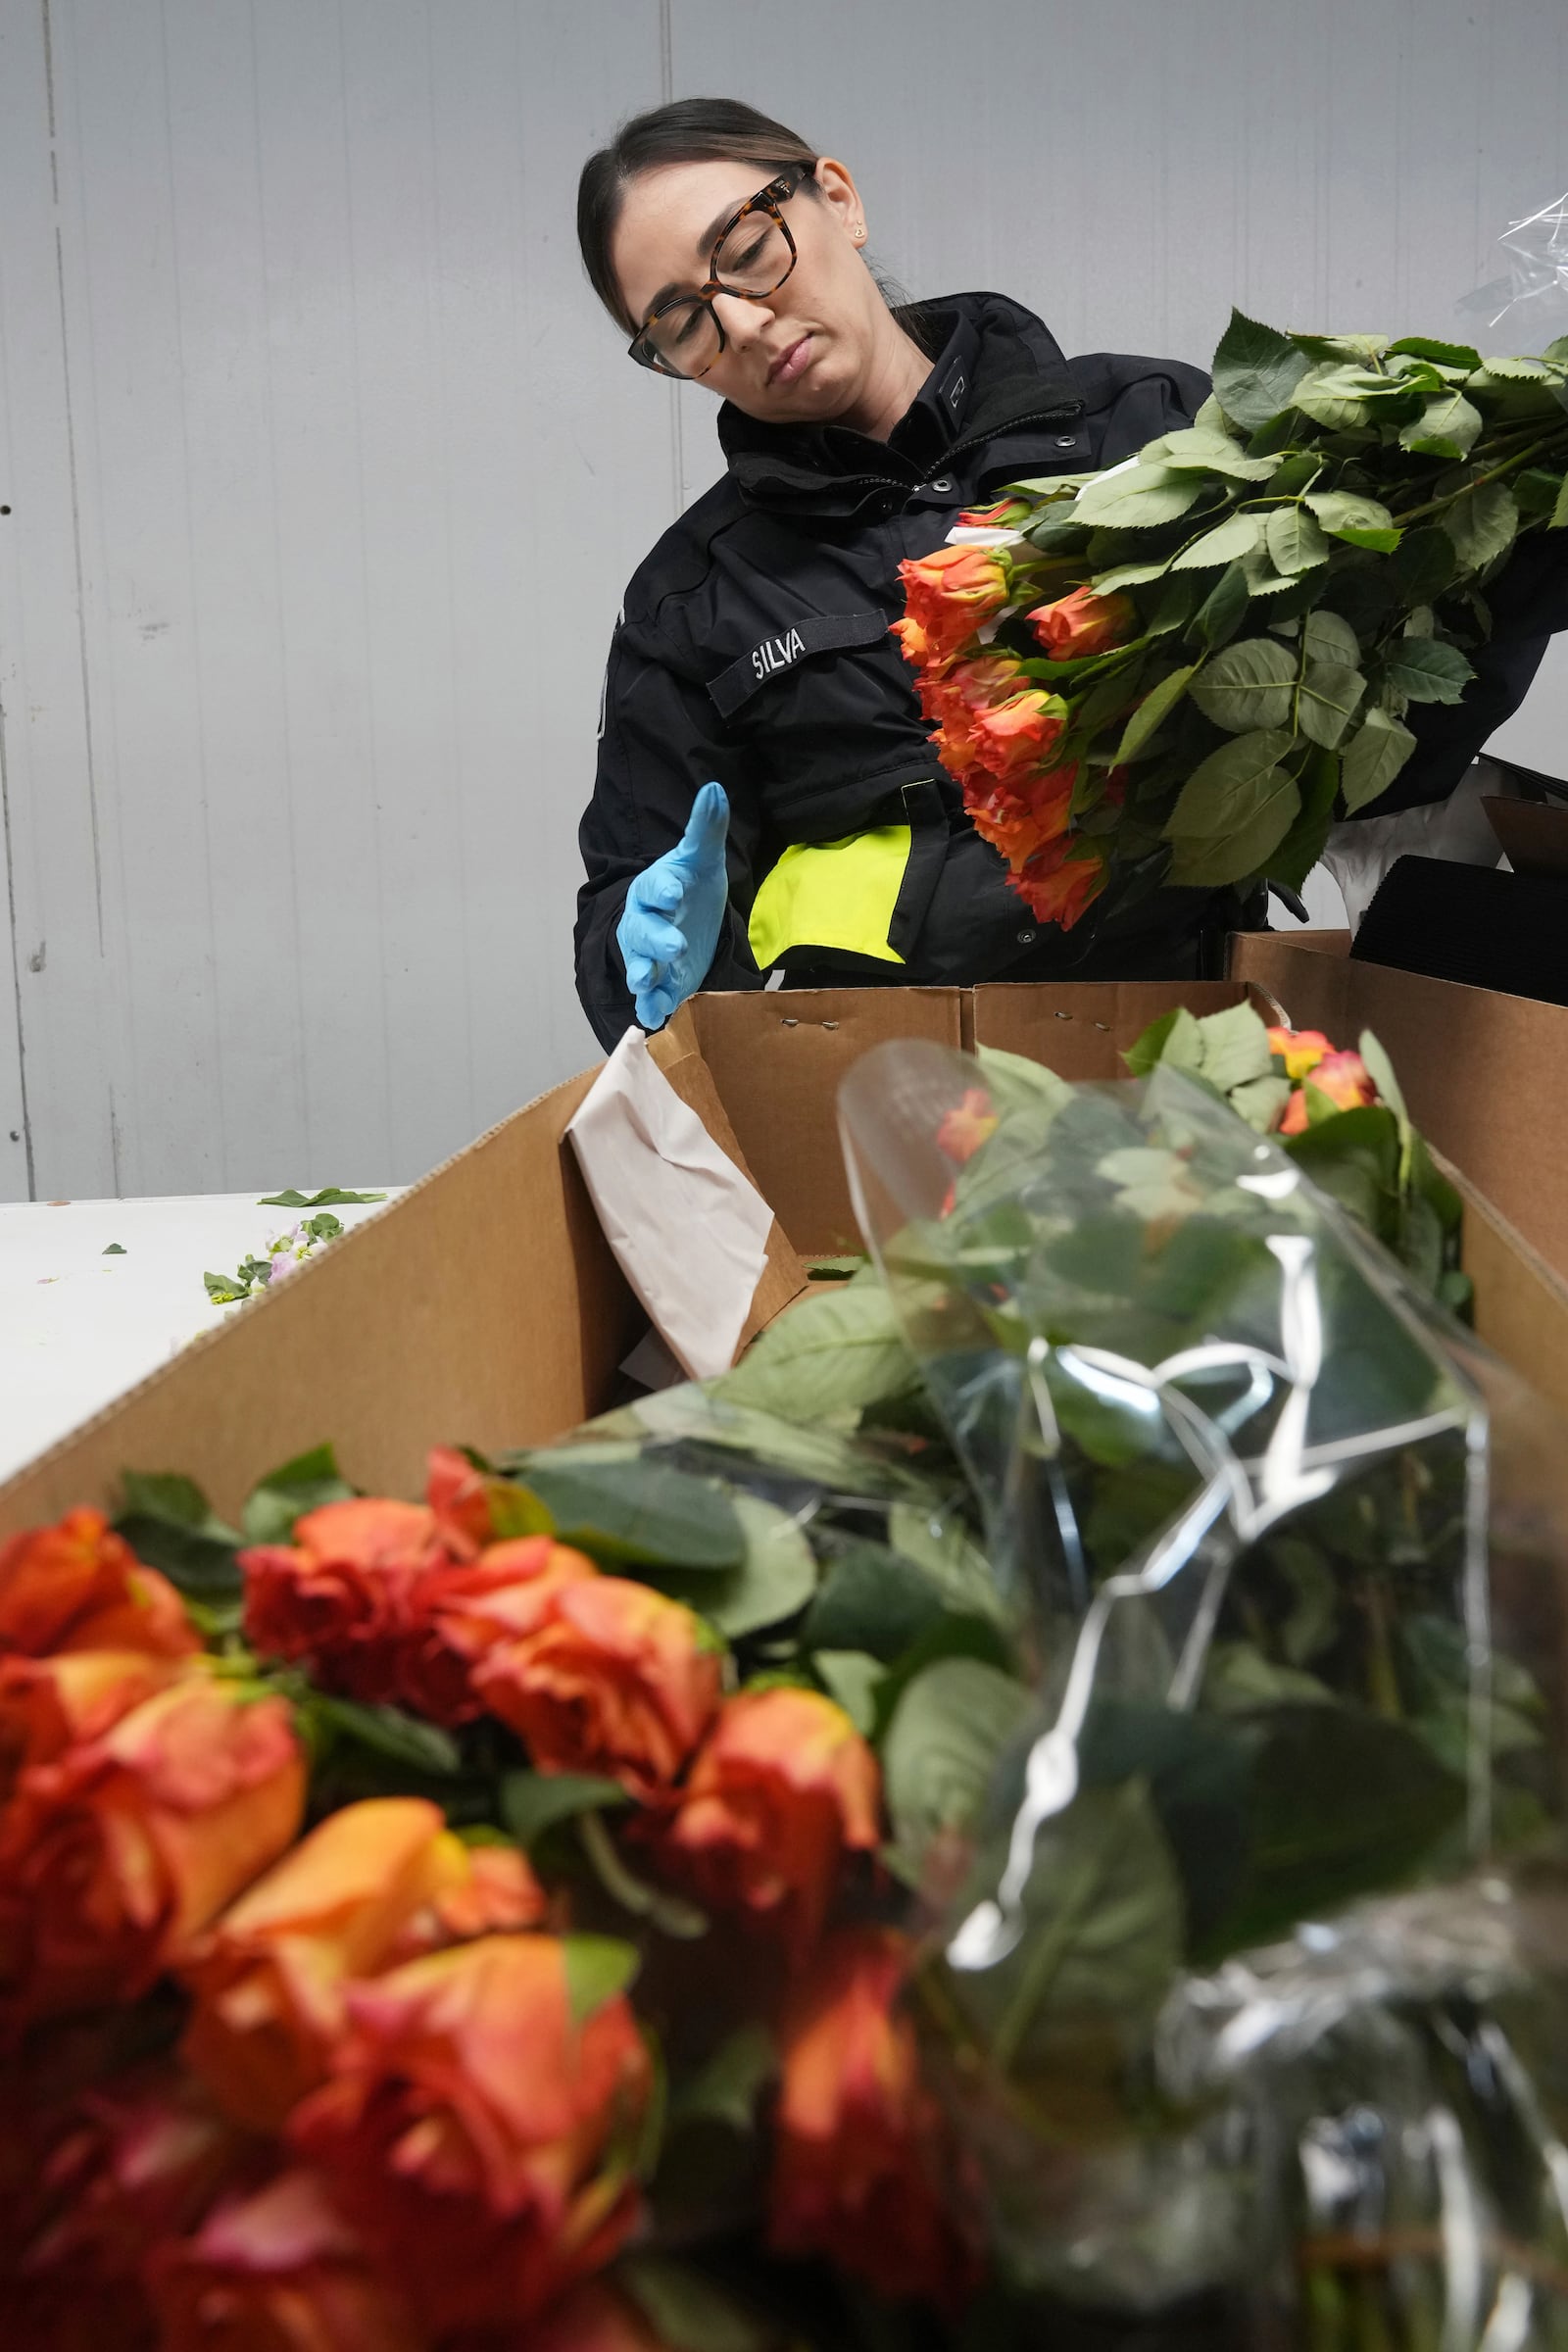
[[754, 647]]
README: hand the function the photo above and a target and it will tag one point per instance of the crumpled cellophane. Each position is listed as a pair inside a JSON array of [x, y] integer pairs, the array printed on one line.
[[1250, 1970]]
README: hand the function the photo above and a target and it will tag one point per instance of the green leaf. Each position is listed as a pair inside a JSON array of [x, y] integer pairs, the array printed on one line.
[[686, 2311], [532, 1803], [1482, 524], [1227, 543], [1295, 541], [1423, 565], [1138, 498], [1329, 637], [949, 1727], [1380, 1069], [1261, 1101], [1303, 844], [1219, 616], [1447, 355], [852, 1678], [169, 1525], [873, 1601], [597, 1967], [1256, 371], [726, 2089], [1327, 700], [1373, 757], [1428, 670], [1360, 521], [775, 1579], [1538, 490], [224, 1290], [332, 1198], [1249, 684], [638, 1514], [936, 1540], [1234, 808], [388, 1732], [1334, 395], [840, 1351], [1155, 705], [1131, 576], [286, 1494], [1174, 1039], [1236, 1047], [1446, 428], [1214, 453], [1560, 513], [115, 1250]]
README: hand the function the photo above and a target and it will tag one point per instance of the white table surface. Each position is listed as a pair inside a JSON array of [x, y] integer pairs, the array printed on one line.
[[77, 1328]]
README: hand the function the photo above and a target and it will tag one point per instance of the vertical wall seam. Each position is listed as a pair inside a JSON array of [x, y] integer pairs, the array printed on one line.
[[76, 497], [16, 962], [677, 414]]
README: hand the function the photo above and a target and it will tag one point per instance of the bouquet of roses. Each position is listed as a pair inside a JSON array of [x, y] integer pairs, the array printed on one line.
[[536, 1915], [1182, 670]]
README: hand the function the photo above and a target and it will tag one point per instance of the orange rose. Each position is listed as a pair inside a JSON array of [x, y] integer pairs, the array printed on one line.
[[458, 1614], [783, 1787], [114, 1855], [615, 1679], [950, 593], [861, 2166], [969, 1124], [1301, 1049], [459, 1497], [479, 2133], [913, 643], [368, 1885], [50, 1704], [1020, 818], [1015, 738], [1059, 882], [334, 1599], [1084, 624], [133, 2163], [77, 1585], [1343, 1077], [277, 2271]]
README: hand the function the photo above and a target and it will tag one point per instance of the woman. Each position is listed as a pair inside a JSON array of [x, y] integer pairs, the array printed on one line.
[[766, 792]]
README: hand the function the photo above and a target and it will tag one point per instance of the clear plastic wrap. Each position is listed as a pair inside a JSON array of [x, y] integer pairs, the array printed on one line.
[[1526, 306], [1280, 1550]]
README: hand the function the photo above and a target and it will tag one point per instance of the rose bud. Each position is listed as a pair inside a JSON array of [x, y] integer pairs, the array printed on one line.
[[1015, 738], [481, 2132], [1343, 1077], [783, 1787], [860, 2168], [614, 1679], [1060, 881], [1084, 624], [950, 593], [370, 1884], [77, 1585], [277, 2271], [116, 1854]]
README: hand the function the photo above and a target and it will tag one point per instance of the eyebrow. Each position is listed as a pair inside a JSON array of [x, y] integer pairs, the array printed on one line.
[[704, 250]]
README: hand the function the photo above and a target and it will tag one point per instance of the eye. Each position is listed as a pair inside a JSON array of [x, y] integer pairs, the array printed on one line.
[[751, 255], [689, 328]]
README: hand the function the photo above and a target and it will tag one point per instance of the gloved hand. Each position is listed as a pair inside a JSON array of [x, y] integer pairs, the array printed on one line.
[[669, 927]]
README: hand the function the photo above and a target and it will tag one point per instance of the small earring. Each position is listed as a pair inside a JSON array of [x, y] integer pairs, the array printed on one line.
[[859, 232]]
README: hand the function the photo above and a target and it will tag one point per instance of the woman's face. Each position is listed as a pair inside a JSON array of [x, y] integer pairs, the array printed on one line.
[[807, 352]]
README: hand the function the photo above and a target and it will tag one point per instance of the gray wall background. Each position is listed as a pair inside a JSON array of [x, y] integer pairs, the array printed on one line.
[[325, 472]]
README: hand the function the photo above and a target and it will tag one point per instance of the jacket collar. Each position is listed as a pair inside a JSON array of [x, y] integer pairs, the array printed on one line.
[[995, 366]]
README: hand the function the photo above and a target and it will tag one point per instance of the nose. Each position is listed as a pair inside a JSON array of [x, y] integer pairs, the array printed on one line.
[[744, 322]]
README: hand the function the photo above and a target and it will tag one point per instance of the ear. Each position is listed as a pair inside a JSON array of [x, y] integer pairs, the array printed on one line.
[[836, 188]]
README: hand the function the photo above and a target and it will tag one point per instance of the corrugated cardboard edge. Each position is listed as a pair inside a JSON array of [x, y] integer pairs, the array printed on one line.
[[547, 1315]]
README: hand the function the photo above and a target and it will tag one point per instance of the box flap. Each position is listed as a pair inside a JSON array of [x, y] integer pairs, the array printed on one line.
[[1534, 835]]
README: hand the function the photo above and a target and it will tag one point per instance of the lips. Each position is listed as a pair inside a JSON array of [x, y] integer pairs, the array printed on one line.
[[791, 362]]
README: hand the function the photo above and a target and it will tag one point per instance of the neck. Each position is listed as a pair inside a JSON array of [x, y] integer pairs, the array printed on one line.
[[898, 369]]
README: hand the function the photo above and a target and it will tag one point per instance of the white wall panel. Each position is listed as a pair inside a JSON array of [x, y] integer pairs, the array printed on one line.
[[327, 472]]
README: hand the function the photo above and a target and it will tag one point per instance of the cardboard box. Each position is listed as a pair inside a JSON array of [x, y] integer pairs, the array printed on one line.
[[484, 1305]]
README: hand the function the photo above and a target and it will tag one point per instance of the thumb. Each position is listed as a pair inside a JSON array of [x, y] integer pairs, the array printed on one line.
[[707, 827]]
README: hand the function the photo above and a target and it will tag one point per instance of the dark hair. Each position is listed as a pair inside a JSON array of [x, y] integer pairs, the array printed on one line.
[[689, 130]]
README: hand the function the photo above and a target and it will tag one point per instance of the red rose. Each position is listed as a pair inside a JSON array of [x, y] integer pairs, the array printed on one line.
[[783, 1788], [277, 2270], [614, 1679], [861, 2169], [481, 2132], [117, 1853], [77, 1585], [1084, 624], [334, 1599]]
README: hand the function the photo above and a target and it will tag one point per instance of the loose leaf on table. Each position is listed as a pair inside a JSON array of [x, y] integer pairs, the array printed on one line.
[[332, 1198], [632, 1514], [286, 1494], [169, 1523]]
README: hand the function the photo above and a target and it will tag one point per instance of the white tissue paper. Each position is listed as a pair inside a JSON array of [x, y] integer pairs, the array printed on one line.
[[689, 1230]]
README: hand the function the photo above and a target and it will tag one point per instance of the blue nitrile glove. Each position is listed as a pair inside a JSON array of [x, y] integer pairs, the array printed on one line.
[[669, 927]]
